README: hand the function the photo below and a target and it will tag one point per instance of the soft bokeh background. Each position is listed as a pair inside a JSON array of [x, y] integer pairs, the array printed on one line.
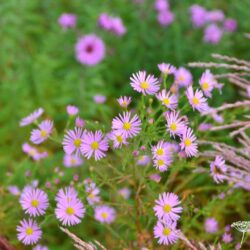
[[38, 66]]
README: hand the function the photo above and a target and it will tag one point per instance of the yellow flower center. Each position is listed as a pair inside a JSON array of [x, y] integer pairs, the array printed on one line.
[[32, 152], [167, 208], [195, 101], [166, 101], [144, 85], [160, 162], [159, 151], [119, 138], [166, 231], [181, 78], [72, 161], [127, 125], [70, 210], [91, 196], [124, 104], [77, 142], [29, 231], [187, 142], [34, 203], [173, 126], [104, 215], [95, 145], [205, 86], [43, 133]]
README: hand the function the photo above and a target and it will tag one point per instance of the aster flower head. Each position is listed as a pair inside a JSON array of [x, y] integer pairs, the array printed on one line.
[[90, 50], [183, 77], [161, 5], [143, 160], [205, 126], [212, 34], [105, 21], [145, 84], [166, 68], [198, 15], [166, 232], [211, 225], [118, 27], [118, 139], [94, 144], [72, 110], [207, 83], [227, 237], [42, 133], [168, 207], [105, 214], [188, 143], [72, 141], [230, 25], [73, 160], [160, 150], [40, 247], [28, 232], [33, 152], [169, 100], [155, 177], [31, 117], [215, 16], [14, 190], [99, 99], [218, 169], [162, 163], [175, 124], [67, 20], [79, 123], [34, 201], [125, 192], [197, 100], [69, 209], [165, 17], [126, 125], [124, 101], [92, 194]]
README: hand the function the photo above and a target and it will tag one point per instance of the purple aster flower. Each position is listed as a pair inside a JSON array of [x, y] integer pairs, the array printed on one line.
[[72, 110], [99, 99], [124, 101], [69, 209], [94, 144], [166, 69], [155, 177], [172, 147], [218, 169], [90, 50], [207, 83], [125, 192], [211, 225], [188, 143], [143, 160], [160, 150], [215, 16], [168, 100], [34, 201], [72, 141], [40, 135], [166, 232], [40, 247], [218, 118], [118, 139], [183, 77], [205, 126], [105, 214], [105, 21], [162, 163], [14, 190], [28, 232], [127, 126], [212, 34], [175, 124], [79, 122], [168, 207], [197, 100], [118, 27], [230, 25], [147, 85], [165, 17], [92, 194], [33, 152], [67, 20], [72, 160], [161, 5], [198, 15], [31, 118]]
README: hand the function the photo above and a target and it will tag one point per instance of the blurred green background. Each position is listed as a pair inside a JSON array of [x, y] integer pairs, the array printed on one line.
[[38, 66]]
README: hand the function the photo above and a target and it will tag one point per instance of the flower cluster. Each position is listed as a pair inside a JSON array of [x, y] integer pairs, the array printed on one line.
[[165, 16]]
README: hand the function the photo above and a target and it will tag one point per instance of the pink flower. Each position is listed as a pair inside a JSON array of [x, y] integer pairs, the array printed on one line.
[[124, 101], [207, 83], [31, 118], [33, 152], [105, 214], [196, 99], [218, 169], [118, 139], [168, 100], [165, 17], [166, 69], [67, 20], [215, 16], [72, 110], [90, 50], [162, 163], [79, 122], [211, 225], [125, 192], [127, 126], [212, 34], [227, 238], [72, 160], [183, 77], [161, 5], [147, 85], [94, 144], [99, 99], [188, 143], [198, 15], [40, 135], [230, 25], [168, 207]]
